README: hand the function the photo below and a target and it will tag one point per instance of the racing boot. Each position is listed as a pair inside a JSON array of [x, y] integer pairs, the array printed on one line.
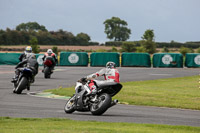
[[14, 79], [32, 80], [28, 88]]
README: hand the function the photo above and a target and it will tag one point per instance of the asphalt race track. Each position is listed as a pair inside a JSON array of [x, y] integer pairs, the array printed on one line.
[[24, 105]]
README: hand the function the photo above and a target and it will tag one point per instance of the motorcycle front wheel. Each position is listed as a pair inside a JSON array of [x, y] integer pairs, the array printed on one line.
[[69, 106], [104, 102], [22, 85]]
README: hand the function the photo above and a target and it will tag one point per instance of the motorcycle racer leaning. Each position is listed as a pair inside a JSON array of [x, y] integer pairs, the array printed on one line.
[[110, 73], [31, 63], [52, 54]]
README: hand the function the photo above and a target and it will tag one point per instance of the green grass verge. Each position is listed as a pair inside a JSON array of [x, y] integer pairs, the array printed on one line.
[[181, 92], [174, 92], [55, 125]]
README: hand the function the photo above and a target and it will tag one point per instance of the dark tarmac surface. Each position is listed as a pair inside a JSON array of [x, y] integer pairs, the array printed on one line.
[[24, 105]]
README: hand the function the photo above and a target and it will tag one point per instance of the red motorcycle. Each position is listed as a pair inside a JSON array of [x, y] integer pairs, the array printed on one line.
[[48, 66]]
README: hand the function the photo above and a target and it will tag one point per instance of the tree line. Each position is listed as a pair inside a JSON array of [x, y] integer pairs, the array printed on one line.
[[23, 33], [171, 44], [115, 29]]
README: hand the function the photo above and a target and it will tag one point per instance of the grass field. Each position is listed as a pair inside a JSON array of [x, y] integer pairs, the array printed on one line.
[[55, 125], [181, 92]]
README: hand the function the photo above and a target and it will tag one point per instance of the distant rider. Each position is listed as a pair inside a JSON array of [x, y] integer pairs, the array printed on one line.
[[110, 73], [52, 54], [26, 53], [30, 63]]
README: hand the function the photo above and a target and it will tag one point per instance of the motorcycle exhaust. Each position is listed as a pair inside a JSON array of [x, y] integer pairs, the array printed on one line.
[[114, 102]]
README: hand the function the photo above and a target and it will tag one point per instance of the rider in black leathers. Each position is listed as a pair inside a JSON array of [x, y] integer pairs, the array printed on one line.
[[30, 63], [26, 53]]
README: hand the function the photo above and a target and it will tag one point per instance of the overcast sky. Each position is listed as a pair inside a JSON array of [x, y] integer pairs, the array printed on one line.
[[177, 20]]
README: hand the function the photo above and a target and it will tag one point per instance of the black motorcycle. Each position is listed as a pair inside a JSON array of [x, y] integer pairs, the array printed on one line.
[[97, 104], [23, 81]]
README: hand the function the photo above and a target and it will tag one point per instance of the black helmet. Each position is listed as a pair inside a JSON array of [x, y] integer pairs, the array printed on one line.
[[110, 64]]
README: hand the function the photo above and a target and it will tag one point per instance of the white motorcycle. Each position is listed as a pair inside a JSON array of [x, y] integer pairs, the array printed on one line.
[[97, 103]]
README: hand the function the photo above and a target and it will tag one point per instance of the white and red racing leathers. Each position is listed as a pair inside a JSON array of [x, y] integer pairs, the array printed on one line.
[[110, 75]]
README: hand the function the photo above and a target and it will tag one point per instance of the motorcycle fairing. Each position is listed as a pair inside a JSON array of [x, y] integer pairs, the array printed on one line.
[[112, 88]]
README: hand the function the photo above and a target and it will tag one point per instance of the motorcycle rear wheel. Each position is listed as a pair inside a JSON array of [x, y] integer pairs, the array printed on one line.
[[47, 72], [69, 106], [102, 105]]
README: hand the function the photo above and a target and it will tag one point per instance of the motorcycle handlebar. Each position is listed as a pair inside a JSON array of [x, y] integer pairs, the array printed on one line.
[[83, 81]]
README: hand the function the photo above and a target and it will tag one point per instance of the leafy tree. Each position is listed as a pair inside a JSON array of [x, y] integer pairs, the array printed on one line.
[[63, 37], [45, 38], [198, 50], [34, 44], [25, 31], [83, 38], [55, 50], [148, 41], [114, 49], [165, 50], [149, 46], [2, 37], [116, 29], [191, 50], [34, 26], [128, 47], [148, 35], [184, 50], [140, 49]]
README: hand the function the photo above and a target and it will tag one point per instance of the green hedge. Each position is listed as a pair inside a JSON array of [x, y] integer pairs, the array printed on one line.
[[113, 43], [159, 44], [177, 45]]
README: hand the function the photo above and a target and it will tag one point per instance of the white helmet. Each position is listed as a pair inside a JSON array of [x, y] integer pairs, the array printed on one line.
[[49, 51], [110, 64], [28, 49]]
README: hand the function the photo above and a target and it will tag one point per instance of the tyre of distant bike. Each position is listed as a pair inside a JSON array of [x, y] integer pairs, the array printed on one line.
[[47, 72]]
